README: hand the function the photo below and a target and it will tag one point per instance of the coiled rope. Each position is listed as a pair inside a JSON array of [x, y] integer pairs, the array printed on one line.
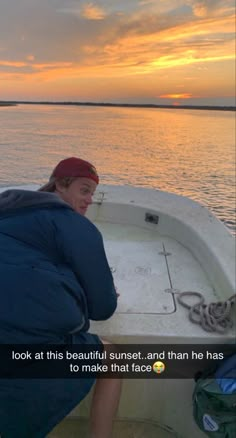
[[213, 317]]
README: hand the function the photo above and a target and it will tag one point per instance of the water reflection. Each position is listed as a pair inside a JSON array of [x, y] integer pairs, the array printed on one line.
[[182, 151]]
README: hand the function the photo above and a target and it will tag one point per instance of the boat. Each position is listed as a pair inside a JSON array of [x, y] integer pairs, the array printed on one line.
[[159, 245]]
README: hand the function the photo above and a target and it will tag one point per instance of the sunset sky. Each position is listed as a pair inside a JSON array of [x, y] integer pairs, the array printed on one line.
[[129, 51]]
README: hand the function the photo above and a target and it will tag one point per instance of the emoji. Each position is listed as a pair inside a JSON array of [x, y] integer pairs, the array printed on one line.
[[158, 367]]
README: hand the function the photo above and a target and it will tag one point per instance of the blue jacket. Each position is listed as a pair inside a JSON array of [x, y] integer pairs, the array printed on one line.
[[53, 269], [54, 278], [54, 275]]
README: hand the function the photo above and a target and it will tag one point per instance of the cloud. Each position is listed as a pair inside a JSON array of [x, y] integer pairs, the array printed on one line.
[[30, 58], [200, 9], [207, 8], [99, 37], [12, 64], [87, 11], [161, 6], [93, 12], [71, 42]]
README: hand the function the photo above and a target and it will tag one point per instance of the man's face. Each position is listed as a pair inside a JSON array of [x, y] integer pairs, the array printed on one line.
[[79, 194]]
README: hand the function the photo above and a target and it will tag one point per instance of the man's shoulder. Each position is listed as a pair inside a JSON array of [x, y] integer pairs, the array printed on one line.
[[72, 219]]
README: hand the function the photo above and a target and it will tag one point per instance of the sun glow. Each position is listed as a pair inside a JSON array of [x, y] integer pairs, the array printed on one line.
[[176, 96]]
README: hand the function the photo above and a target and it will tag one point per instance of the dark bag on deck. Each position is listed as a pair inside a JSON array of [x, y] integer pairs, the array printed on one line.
[[214, 400]]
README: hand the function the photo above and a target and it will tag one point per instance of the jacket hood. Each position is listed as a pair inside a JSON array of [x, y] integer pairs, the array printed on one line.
[[13, 200]]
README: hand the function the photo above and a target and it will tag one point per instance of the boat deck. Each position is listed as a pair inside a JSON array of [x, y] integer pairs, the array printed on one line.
[[149, 271], [73, 428]]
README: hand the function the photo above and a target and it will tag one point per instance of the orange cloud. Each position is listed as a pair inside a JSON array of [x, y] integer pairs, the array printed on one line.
[[93, 12], [204, 27], [200, 10], [136, 53], [30, 57], [176, 96], [52, 65], [12, 64], [180, 45]]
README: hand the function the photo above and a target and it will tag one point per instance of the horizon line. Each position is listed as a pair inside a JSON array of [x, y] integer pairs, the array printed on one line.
[[118, 104]]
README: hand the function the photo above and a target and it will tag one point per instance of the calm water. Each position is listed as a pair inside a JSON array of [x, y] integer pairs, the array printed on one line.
[[190, 152]]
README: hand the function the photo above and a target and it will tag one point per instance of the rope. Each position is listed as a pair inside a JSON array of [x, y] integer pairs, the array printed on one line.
[[213, 317]]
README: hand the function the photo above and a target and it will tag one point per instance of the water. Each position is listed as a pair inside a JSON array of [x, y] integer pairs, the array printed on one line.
[[189, 152]]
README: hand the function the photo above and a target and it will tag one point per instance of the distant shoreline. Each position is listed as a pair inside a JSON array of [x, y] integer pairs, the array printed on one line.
[[124, 105], [7, 104]]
